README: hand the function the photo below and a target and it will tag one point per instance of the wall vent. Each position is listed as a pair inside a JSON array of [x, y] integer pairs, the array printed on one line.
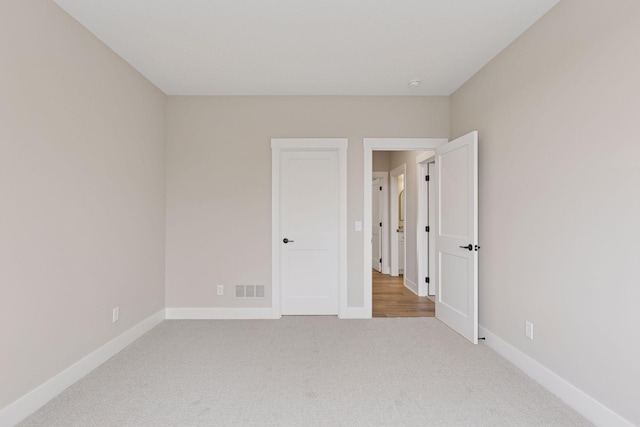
[[249, 291]]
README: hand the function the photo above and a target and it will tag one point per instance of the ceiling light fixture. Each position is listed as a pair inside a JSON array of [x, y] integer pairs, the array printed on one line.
[[413, 84]]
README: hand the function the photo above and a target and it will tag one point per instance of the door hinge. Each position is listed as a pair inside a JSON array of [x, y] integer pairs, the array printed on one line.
[[426, 178], [426, 229], [380, 260], [426, 280], [380, 188]]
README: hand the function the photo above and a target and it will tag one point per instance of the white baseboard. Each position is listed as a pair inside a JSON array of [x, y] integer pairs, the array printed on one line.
[[38, 397], [355, 313], [410, 285], [586, 405], [220, 313]]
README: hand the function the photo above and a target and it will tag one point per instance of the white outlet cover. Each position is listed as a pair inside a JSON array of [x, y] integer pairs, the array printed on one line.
[[220, 290], [528, 329], [116, 314]]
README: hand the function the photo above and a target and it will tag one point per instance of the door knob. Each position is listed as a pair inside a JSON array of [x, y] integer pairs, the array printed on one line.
[[468, 247], [285, 240]]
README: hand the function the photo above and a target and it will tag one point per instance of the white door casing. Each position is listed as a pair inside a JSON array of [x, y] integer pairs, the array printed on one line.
[[426, 248], [309, 211], [456, 229], [376, 224], [432, 236], [371, 145]]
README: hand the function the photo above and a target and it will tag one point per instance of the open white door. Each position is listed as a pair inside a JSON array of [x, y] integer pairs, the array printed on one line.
[[456, 265], [376, 224]]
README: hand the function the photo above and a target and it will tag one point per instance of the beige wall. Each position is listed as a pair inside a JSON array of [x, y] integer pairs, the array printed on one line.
[[221, 234], [81, 195], [381, 161], [557, 113]]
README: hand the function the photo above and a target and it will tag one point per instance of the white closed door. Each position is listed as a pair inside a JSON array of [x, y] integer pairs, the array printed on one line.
[[457, 235], [309, 215], [376, 224]]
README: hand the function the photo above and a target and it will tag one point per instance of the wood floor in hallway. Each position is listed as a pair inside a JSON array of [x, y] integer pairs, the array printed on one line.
[[392, 299]]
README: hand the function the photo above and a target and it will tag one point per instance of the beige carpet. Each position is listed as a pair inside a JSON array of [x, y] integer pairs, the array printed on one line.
[[306, 371]]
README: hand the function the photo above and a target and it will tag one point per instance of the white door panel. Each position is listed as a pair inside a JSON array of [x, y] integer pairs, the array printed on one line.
[[309, 220], [454, 188], [376, 227], [457, 235]]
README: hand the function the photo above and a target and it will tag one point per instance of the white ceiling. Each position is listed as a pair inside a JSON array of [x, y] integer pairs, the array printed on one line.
[[307, 47]]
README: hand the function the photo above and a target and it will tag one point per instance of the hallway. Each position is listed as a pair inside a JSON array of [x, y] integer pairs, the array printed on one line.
[[392, 299]]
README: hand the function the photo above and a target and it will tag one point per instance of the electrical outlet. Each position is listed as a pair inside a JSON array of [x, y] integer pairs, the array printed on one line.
[[116, 314], [220, 289], [528, 329]]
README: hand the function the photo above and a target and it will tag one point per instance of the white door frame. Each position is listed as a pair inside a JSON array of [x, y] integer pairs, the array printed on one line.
[[423, 239], [432, 236], [394, 216], [382, 144], [384, 201], [278, 146]]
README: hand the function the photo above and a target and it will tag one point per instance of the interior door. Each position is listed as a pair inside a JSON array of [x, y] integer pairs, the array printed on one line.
[[376, 224], [432, 236], [309, 227], [457, 235]]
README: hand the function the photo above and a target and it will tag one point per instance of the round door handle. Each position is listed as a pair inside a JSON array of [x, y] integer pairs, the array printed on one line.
[[468, 247], [285, 240]]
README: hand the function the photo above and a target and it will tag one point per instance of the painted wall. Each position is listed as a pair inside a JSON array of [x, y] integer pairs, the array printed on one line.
[[557, 113], [381, 161], [219, 181], [81, 195]]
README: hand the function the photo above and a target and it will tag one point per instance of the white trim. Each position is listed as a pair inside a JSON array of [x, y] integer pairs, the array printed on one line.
[[586, 405], [215, 313], [309, 143], [342, 238], [383, 144], [38, 397], [355, 313], [403, 144], [422, 238], [410, 285], [425, 157], [278, 145], [433, 284], [386, 262]]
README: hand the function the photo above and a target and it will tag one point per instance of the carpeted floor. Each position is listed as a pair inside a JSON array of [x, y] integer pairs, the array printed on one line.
[[306, 371]]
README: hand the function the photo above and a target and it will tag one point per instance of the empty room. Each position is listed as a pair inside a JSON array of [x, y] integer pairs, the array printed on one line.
[[187, 235]]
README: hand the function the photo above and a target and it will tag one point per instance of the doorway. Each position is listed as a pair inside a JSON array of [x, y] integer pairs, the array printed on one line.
[[396, 294], [401, 289], [456, 226]]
